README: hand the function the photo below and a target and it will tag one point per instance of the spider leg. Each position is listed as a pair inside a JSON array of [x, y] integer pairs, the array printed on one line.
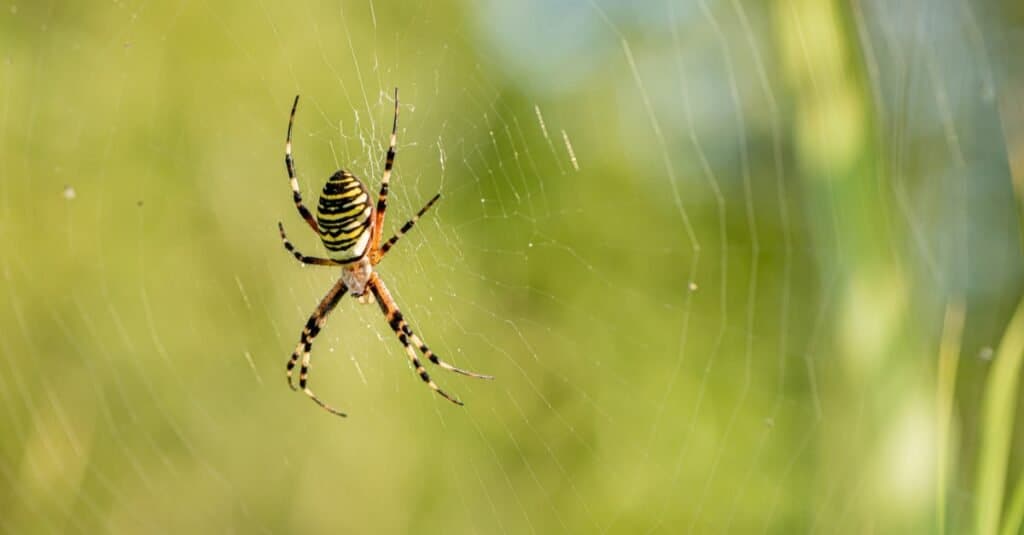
[[289, 163], [405, 335], [301, 257], [394, 317], [427, 352], [309, 332], [382, 197], [406, 227]]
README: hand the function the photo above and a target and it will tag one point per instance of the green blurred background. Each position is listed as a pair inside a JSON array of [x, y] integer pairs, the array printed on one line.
[[710, 250]]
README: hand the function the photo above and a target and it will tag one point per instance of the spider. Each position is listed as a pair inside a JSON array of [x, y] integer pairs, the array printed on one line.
[[350, 229]]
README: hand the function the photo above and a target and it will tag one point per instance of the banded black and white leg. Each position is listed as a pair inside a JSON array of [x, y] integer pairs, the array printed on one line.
[[407, 226], [289, 163], [405, 335], [382, 197], [301, 257], [309, 333]]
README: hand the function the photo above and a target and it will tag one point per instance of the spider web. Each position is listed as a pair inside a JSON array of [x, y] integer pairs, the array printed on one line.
[[706, 247]]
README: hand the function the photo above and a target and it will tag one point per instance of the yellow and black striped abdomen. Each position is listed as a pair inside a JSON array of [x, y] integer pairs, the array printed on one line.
[[344, 216]]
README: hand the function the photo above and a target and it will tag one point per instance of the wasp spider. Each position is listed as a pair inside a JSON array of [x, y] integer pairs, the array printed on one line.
[[350, 228]]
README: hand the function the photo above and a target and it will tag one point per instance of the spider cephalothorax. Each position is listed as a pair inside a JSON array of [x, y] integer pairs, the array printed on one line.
[[350, 229]]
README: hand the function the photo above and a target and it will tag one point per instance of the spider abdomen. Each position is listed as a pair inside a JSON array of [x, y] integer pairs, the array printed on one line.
[[343, 216]]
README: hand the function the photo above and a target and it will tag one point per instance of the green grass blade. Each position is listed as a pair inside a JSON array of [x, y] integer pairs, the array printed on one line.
[[997, 423], [949, 355], [1015, 515]]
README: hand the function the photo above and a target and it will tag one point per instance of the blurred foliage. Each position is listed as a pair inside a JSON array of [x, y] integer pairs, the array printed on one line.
[[708, 249]]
